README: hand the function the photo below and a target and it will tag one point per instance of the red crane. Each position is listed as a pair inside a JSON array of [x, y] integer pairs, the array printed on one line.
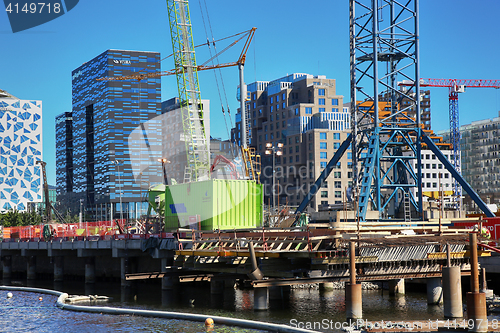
[[455, 87]]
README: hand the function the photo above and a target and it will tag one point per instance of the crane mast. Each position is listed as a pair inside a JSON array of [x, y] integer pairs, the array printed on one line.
[[198, 159], [455, 87]]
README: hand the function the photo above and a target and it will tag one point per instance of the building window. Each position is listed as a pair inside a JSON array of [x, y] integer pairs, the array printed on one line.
[[296, 111], [325, 184], [290, 150], [338, 194], [265, 137], [297, 158], [297, 139], [271, 117], [335, 101], [336, 145], [338, 184], [335, 110], [310, 156], [324, 194], [271, 101], [323, 165], [309, 110], [321, 109], [291, 159], [277, 116], [336, 174], [322, 155], [336, 136], [321, 101], [271, 108], [296, 149], [322, 145], [283, 105], [321, 92], [322, 136]]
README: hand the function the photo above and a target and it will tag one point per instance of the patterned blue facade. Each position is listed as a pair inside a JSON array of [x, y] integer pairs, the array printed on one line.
[[20, 149], [116, 139], [64, 153]]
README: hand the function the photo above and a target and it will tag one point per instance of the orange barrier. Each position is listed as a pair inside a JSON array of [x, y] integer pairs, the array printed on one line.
[[64, 230]]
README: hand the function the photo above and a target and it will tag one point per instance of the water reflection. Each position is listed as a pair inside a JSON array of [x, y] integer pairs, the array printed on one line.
[[305, 305]]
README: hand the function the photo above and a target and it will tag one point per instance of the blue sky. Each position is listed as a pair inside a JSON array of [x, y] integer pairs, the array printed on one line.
[[458, 40]]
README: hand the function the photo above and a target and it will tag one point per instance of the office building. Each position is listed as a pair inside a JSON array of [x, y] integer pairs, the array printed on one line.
[[305, 115], [116, 135], [21, 179], [64, 153]]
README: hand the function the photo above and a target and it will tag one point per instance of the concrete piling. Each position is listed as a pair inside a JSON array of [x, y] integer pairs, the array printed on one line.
[[90, 270], [260, 299], [396, 287], [476, 301], [7, 267], [124, 269], [353, 298], [434, 291], [168, 282], [326, 286], [216, 287], [452, 292], [58, 268], [31, 268]]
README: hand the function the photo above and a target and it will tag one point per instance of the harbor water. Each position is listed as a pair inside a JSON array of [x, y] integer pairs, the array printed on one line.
[[323, 311]]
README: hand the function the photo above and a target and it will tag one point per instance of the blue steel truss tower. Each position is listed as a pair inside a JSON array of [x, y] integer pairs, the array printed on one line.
[[386, 134]]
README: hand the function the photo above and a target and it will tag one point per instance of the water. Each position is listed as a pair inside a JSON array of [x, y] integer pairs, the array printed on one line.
[[26, 313]]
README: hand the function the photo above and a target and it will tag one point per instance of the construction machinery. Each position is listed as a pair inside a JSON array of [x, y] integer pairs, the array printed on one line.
[[48, 205], [384, 45]]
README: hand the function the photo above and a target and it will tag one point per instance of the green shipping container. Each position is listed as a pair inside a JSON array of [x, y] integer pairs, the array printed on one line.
[[214, 204]]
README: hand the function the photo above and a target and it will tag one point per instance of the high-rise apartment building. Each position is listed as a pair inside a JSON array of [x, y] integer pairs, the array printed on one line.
[[116, 134], [20, 148], [480, 159], [305, 115]]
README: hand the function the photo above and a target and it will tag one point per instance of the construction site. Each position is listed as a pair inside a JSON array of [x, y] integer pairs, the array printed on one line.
[[221, 226]]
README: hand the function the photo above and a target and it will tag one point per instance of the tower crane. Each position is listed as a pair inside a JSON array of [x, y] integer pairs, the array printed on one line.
[[241, 61], [455, 86], [189, 92]]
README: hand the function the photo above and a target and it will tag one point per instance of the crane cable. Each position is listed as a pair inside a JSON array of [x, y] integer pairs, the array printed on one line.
[[215, 73]]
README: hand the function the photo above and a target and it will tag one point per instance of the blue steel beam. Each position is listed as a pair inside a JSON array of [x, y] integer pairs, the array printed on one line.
[[474, 196], [326, 172]]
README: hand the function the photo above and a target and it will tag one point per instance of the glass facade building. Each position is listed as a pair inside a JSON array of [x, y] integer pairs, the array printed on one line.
[[20, 149], [116, 134], [64, 153]]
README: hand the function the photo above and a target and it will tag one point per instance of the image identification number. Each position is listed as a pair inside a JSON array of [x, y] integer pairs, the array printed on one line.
[[33, 8]]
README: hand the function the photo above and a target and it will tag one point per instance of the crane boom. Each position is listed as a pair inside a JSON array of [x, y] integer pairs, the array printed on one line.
[[455, 87], [198, 159], [241, 60]]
